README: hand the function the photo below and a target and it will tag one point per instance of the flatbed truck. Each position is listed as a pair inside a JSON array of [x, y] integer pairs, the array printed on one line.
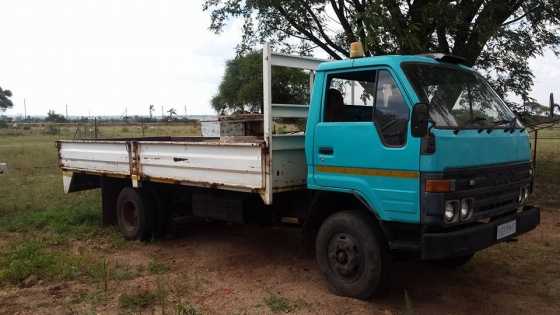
[[402, 156]]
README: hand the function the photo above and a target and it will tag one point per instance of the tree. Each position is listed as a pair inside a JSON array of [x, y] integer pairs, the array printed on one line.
[[5, 102], [241, 88], [152, 110], [497, 36], [52, 116], [172, 113]]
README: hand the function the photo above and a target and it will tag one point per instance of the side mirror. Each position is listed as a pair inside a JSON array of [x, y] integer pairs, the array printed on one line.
[[420, 119]]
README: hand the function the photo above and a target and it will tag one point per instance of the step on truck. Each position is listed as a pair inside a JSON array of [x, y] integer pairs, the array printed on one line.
[[402, 156]]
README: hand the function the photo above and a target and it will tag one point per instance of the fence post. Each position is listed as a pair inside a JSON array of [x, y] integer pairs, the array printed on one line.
[[95, 127], [535, 150]]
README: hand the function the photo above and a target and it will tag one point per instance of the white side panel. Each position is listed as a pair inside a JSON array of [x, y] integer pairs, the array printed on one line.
[[288, 166], [224, 165], [103, 157], [298, 62], [289, 110]]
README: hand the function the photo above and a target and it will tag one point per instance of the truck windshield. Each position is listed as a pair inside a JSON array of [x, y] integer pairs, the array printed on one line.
[[458, 98]]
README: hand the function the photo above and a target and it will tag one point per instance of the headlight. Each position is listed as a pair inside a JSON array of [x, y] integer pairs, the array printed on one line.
[[523, 195], [466, 208], [451, 209]]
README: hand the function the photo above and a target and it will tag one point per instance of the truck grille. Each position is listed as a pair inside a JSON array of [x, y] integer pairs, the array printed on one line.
[[495, 189]]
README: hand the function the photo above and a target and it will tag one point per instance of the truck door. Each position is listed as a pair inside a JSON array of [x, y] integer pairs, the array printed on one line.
[[363, 143]]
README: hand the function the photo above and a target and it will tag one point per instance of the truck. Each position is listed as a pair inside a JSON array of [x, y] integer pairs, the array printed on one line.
[[402, 157]]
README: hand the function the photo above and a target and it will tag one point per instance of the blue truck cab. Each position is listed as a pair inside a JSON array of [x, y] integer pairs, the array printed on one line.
[[429, 149]]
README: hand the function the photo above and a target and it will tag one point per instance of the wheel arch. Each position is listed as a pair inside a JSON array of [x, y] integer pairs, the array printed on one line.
[[326, 203]]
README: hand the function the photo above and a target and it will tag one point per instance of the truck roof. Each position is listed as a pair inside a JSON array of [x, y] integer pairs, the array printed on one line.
[[389, 60]]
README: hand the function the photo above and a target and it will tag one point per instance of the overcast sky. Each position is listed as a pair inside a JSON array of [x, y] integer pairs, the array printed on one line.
[[102, 56]]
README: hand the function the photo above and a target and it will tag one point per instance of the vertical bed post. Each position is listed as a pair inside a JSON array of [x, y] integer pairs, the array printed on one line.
[[267, 123]]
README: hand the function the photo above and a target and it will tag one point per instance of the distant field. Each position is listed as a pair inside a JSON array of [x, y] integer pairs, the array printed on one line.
[[104, 129], [51, 240]]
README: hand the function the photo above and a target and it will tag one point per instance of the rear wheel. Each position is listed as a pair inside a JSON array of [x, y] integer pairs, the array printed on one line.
[[352, 255], [135, 211]]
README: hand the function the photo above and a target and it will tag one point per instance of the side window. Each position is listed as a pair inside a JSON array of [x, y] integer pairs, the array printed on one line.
[[391, 111], [350, 96]]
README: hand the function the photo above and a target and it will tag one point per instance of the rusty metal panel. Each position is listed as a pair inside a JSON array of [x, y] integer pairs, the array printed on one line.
[[236, 166], [100, 157], [289, 170]]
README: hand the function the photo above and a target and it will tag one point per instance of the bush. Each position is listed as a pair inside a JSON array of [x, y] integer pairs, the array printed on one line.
[[3, 124]]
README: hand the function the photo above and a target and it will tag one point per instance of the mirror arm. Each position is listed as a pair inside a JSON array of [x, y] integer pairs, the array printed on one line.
[[431, 123]]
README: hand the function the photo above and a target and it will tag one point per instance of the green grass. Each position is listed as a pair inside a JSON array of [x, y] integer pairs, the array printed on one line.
[[38, 221], [137, 301], [26, 258], [157, 268], [279, 304], [186, 309], [122, 272], [547, 168], [76, 223]]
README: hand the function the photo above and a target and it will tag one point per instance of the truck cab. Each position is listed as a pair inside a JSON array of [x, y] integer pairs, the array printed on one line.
[[425, 144]]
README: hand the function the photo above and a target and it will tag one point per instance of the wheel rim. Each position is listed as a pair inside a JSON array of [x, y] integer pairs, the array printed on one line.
[[345, 257], [130, 217]]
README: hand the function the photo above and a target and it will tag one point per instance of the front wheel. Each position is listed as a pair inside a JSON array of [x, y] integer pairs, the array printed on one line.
[[352, 255]]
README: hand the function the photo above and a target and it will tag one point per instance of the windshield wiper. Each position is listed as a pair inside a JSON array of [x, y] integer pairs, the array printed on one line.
[[510, 124], [470, 121], [476, 119]]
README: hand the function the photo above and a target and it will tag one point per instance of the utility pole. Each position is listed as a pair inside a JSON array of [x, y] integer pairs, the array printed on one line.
[[185, 111], [551, 105], [66, 111], [162, 115], [24, 110]]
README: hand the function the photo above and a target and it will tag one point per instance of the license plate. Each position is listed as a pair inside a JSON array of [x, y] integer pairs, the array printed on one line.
[[506, 229]]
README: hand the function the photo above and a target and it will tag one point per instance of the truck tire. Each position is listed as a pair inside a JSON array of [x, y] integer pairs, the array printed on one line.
[[453, 262], [352, 255], [135, 211]]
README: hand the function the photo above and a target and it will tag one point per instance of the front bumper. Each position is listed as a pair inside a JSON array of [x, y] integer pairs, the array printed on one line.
[[471, 239]]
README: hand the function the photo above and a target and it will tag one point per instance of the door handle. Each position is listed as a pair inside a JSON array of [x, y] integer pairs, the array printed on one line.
[[326, 150]]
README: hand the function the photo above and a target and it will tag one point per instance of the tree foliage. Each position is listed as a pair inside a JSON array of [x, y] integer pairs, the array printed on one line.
[[5, 101], [241, 88], [172, 113], [497, 36], [52, 116]]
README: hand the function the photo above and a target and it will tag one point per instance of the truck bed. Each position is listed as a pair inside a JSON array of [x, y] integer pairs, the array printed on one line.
[[265, 165], [239, 163]]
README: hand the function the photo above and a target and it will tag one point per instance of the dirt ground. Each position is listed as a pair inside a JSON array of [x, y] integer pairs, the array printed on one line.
[[235, 269]]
